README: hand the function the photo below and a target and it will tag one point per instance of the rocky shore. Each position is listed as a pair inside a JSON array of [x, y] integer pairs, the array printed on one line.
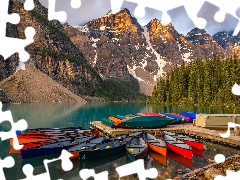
[[211, 171]]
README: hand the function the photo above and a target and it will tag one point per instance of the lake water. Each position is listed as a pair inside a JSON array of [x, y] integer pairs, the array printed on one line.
[[75, 114]]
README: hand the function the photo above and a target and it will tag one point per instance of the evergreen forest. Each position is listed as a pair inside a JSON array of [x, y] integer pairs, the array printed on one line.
[[202, 82]]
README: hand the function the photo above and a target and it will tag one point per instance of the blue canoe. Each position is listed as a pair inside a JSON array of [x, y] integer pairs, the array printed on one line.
[[191, 115], [52, 148], [177, 119]]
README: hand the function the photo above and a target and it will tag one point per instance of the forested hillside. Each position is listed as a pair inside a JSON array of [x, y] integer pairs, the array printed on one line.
[[200, 82]]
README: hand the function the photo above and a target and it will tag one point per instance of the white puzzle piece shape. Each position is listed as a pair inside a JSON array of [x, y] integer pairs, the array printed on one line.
[[66, 166], [20, 125], [13, 45], [8, 162]]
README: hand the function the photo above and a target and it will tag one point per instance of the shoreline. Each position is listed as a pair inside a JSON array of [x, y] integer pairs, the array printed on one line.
[[211, 171]]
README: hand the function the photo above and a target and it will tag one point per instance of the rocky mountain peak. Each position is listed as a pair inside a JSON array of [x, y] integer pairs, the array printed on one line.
[[199, 36], [157, 28], [118, 23]]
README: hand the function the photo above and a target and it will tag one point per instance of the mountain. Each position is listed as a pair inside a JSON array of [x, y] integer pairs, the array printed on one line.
[[54, 54], [227, 41], [111, 57], [116, 45], [31, 85]]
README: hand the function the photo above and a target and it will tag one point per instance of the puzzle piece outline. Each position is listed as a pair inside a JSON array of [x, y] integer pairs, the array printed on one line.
[[66, 164], [192, 9], [14, 45]]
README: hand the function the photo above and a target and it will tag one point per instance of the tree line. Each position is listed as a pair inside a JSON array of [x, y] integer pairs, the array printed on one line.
[[201, 82]]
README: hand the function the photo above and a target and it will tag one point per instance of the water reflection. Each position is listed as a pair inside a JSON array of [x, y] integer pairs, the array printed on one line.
[[75, 114]]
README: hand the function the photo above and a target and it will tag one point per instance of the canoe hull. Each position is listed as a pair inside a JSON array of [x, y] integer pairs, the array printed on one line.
[[149, 122], [182, 151], [180, 159], [141, 155], [158, 157], [30, 153], [83, 155], [29, 140], [158, 149], [194, 144]]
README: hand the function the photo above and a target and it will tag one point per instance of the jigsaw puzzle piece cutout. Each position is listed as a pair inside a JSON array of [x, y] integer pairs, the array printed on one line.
[[208, 12], [180, 18], [8, 162], [87, 173], [53, 15], [137, 167], [76, 4], [5, 17], [116, 5], [60, 15], [20, 125], [237, 29], [66, 166], [230, 175], [228, 133], [236, 89], [29, 5], [164, 6], [13, 45], [225, 7], [219, 158], [150, 13]]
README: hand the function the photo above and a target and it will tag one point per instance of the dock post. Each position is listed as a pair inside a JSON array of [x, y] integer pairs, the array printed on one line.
[[234, 119]]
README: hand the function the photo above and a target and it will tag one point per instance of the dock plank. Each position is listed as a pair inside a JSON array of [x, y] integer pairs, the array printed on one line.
[[179, 128]]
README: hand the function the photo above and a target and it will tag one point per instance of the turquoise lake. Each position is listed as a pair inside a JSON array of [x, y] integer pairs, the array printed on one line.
[[75, 114]]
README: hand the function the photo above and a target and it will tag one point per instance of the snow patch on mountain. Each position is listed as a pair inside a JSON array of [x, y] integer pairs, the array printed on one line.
[[161, 63], [82, 28], [132, 72]]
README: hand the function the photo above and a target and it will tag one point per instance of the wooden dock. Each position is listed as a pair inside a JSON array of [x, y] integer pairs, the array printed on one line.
[[189, 129]]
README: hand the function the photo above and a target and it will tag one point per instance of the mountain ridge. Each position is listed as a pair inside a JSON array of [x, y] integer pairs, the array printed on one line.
[[149, 51]]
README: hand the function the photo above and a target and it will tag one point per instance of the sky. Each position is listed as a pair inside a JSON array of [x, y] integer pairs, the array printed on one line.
[[92, 9]]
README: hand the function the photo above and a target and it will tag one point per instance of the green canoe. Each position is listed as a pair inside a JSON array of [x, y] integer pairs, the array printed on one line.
[[149, 122]]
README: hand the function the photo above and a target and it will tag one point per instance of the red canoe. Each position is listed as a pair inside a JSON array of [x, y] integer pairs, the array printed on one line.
[[178, 146], [198, 152], [187, 118], [190, 141], [180, 159]]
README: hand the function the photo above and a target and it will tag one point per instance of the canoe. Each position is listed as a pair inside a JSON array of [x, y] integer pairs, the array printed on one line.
[[105, 149], [190, 141], [38, 161], [101, 161], [158, 157], [30, 145], [48, 135], [149, 122], [176, 118], [155, 144], [48, 129], [87, 144], [153, 114], [198, 152], [191, 115], [178, 146], [107, 122], [136, 148], [52, 133], [180, 159], [186, 118], [51, 148], [26, 140]]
